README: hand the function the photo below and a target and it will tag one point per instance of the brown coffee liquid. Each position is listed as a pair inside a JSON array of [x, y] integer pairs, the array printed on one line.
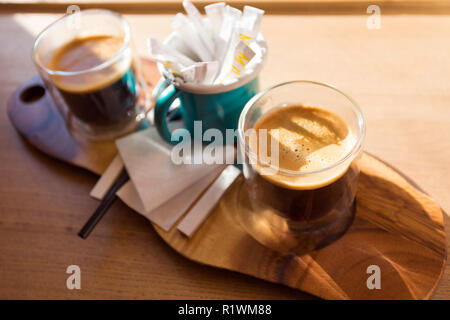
[[101, 97], [310, 139]]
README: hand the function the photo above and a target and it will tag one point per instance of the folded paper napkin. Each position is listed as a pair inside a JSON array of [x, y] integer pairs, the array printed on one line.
[[161, 190]]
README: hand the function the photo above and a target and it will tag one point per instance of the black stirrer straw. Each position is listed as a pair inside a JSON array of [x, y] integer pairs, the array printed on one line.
[[110, 197], [107, 201]]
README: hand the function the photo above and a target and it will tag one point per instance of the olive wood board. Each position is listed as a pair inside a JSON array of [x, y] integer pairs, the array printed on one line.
[[397, 227]]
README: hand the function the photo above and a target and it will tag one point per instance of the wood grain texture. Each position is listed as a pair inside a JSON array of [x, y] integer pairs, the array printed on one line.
[[39, 121], [35, 115], [396, 227], [398, 75], [272, 6]]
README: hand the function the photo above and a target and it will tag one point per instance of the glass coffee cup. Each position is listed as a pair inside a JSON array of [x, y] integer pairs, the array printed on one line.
[[299, 196], [87, 62]]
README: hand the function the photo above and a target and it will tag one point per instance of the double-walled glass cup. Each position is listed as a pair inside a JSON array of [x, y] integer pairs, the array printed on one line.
[[293, 211], [106, 100]]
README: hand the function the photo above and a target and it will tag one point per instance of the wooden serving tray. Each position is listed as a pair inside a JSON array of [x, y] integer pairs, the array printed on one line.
[[397, 226]]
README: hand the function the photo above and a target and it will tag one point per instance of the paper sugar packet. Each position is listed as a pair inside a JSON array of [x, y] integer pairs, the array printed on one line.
[[215, 13], [185, 30], [197, 22], [164, 53], [216, 50], [239, 58], [201, 72], [239, 53], [205, 204], [227, 32]]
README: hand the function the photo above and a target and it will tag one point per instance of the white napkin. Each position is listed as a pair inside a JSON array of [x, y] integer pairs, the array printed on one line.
[[166, 215], [160, 190], [156, 178]]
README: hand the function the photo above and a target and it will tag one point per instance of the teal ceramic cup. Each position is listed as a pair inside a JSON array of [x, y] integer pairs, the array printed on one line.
[[215, 110], [216, 106]]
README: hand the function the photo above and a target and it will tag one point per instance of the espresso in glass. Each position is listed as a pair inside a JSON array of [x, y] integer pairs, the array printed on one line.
[[306, 198], [91, 70], [309, 139], [104, 98]]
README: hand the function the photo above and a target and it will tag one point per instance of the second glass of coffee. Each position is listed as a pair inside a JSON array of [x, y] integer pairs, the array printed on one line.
[[86, 60], [300, 143]]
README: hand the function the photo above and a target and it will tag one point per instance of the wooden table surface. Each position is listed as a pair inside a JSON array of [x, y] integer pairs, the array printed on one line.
[[398, 74], [273, 6]]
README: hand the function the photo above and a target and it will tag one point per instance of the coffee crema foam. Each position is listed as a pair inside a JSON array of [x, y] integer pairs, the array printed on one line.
[[310, 139], [84, 53]]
